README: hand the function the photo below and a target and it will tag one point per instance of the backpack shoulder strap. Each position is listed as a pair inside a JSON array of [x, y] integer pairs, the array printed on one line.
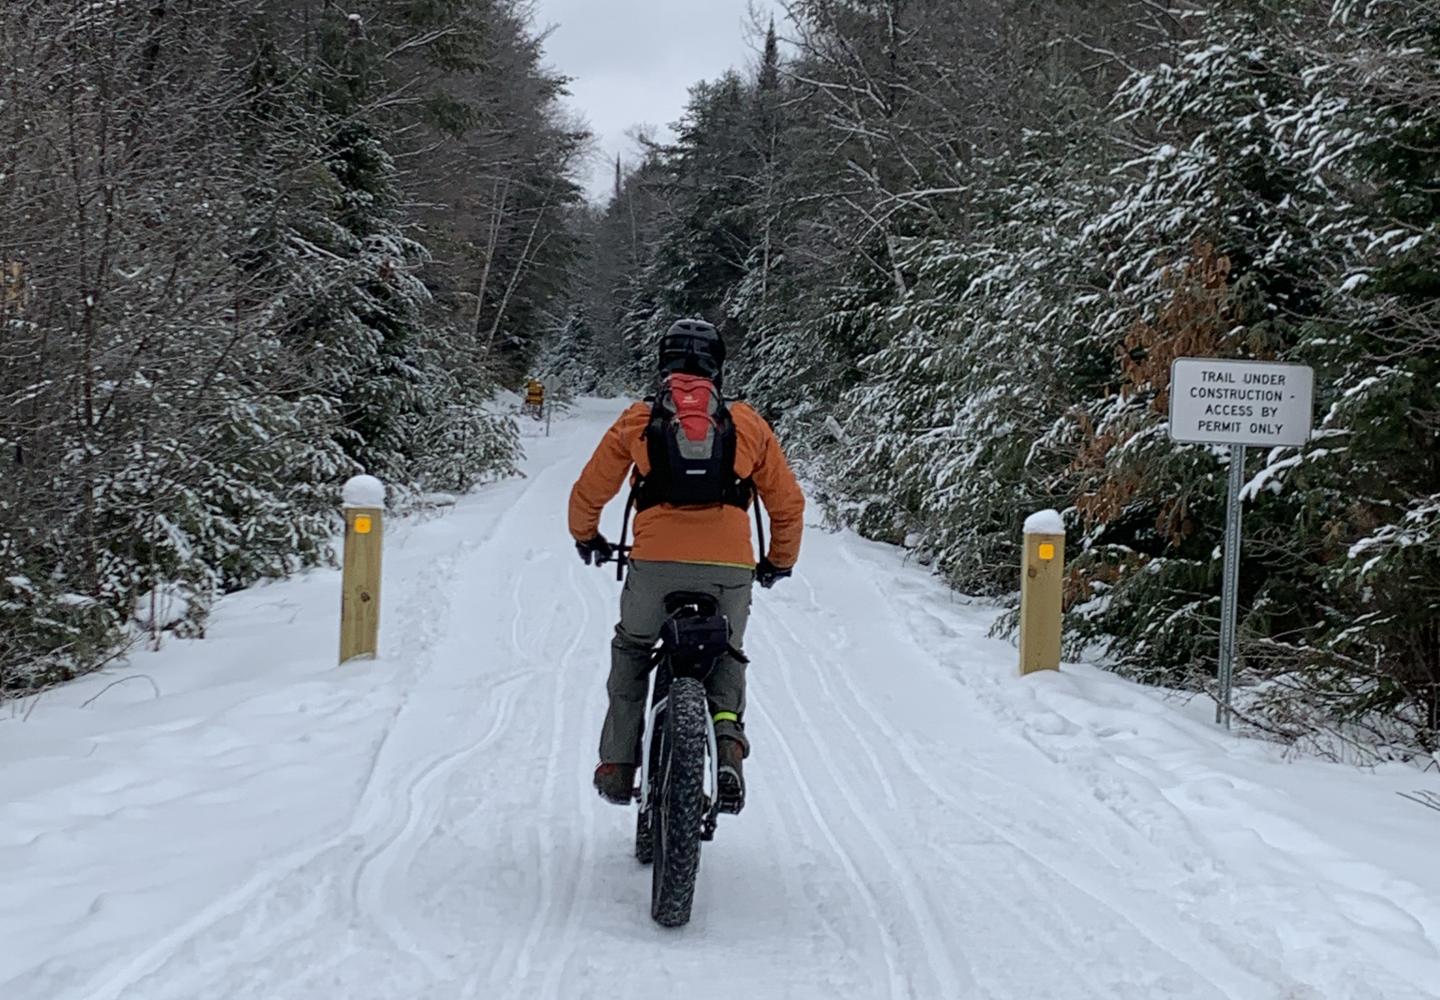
[[647, 490]]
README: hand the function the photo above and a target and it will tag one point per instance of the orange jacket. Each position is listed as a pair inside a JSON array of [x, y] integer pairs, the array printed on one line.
[[719, 534]]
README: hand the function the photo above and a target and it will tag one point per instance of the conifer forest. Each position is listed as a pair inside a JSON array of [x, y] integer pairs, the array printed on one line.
[[252, 248]]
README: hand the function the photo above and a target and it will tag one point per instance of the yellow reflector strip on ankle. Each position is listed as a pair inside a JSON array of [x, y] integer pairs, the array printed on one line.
[[726, 717]]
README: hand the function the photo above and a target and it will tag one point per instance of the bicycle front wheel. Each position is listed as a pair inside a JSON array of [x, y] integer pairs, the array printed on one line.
[[678, 814]]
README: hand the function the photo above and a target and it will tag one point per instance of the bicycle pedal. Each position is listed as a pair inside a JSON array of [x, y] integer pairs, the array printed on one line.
[[732, 795]]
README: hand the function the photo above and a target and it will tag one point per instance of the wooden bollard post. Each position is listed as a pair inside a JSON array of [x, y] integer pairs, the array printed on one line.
[[364, 498], [1040, 592]]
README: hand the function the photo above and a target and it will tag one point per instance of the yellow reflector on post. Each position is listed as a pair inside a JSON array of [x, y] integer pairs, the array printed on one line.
[[362, 524], [1047, 551]]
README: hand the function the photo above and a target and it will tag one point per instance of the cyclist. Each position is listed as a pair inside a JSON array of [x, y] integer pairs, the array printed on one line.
[[692, 532]]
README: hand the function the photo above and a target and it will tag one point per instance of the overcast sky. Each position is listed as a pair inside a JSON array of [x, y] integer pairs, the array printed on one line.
[[632, 62]]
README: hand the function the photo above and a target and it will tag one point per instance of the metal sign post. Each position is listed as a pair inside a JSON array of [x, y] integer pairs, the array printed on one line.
[[1237, 403], [1230, 588], [552, 389]]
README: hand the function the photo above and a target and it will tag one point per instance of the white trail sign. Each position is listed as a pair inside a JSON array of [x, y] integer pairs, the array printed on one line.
[[1238, 403]]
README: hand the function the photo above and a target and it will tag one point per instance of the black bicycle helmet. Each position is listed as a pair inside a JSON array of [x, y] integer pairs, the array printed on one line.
[[694, 347]]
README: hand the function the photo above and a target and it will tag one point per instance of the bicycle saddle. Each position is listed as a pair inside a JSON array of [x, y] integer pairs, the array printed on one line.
[[694, 604]]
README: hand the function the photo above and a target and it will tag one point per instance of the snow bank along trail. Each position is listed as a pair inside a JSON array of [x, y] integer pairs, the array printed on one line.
[[921, 823]]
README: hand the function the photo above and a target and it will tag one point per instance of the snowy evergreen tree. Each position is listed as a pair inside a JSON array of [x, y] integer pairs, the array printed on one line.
[[973, 251], [572, 357], [218, 301]]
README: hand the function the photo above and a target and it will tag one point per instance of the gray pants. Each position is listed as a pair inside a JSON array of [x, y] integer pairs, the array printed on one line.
[[642, 612]]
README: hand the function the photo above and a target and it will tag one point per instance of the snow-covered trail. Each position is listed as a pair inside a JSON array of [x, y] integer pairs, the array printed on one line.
[[922, 823]]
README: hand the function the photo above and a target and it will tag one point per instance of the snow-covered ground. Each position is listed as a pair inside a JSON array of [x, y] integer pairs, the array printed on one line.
[[242, 819]]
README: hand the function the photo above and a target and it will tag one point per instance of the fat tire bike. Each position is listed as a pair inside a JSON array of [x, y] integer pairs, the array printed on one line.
[[680, 794]]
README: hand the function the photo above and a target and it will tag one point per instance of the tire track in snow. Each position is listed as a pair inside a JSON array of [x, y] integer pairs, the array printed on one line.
[[419, 611], [552, 881], [894, 739], [546, 839], [550, 874], [477, 553], [926, 776], [996, 898], [896, 984], [781, 812], [584, 807], [1089, 887], [343, 860], [399, 849], [937, 957], [162, 955], [408, 840], [261, 934]]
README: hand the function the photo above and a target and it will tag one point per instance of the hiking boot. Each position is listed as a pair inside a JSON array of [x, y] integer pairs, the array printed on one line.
[[615, 783], [732, 775]]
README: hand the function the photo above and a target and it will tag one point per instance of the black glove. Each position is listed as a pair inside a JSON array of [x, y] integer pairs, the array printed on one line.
[[767, 573], [596, 549]]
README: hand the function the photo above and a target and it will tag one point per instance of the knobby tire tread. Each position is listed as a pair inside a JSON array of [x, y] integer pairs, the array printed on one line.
[[677, 844]]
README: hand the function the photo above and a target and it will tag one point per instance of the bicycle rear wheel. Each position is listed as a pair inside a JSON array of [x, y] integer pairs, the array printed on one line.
[[678, 813]]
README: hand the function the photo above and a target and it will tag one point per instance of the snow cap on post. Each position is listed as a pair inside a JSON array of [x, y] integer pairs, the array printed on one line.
[[364, 491], [1045, 522]]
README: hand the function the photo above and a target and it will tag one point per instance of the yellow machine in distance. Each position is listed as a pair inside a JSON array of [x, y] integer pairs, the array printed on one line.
[[535, 398]]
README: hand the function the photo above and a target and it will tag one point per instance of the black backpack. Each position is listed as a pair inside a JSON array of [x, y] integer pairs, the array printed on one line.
[[690, 440]]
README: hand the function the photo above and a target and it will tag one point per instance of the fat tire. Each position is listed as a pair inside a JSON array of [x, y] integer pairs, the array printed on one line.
[[679, 810]]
